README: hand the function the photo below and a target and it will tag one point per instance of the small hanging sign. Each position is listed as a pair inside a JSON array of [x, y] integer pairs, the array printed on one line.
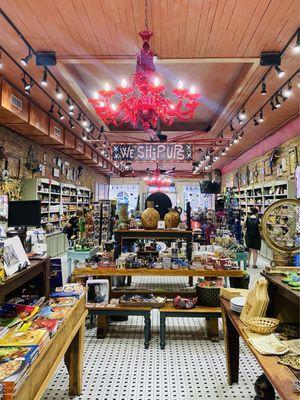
[[175, 152]]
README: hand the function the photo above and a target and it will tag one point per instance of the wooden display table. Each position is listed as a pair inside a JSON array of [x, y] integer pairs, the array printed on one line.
[[157, 234], [280, 376], [67, 344], [117, 310], [210, 313], [109, 272], [40, 268], [74, 255]]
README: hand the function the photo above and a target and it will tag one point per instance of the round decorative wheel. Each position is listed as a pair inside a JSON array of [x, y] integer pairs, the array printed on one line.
[[280, 227]]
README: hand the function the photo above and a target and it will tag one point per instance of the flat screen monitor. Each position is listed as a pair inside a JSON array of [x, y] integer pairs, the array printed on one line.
[[24, 213], [210, 187]]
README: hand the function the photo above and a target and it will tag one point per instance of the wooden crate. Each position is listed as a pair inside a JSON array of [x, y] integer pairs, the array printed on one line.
[[69, 145], [55, 135], [81, 153], [93, 160], [14, 107]]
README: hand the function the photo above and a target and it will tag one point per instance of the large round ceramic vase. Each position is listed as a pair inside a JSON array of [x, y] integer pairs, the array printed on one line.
[[172, 218], [150, 216]]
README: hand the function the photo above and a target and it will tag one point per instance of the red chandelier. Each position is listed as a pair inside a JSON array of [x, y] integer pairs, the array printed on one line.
[[157, 180], [143, 103]]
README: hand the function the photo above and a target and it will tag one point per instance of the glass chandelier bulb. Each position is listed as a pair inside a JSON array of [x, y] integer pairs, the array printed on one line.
[[102, 104], [156, 82], [113, 107], [180, 85], [124, 83], [192, 90], [172, 106], [106, 86], [96, 95]]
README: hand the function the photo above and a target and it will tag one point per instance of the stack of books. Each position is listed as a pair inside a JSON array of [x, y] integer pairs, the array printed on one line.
[[45, 323], [38, 337], [13, 374], [12, 314], [51, 312], [69, 290]]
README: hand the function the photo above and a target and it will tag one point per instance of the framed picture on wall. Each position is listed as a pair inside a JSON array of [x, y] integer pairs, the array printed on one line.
[[13, 167], [293, 160], [55, 172], [267, 168], [283, 164]]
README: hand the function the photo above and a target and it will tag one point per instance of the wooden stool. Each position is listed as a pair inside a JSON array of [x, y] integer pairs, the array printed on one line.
[[104, 313], [210, 313]]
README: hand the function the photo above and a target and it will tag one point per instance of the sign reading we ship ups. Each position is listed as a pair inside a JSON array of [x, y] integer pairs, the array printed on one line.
[[176, 152]]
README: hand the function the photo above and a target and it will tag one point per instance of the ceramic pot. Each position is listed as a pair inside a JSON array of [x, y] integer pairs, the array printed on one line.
[[150, 216], [172, 219]]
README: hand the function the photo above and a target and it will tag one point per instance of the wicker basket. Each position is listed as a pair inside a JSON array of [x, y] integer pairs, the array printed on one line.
[[209, 297], [263, 325]]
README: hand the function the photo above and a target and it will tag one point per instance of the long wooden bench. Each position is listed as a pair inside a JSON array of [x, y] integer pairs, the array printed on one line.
[[210, 313], [103, 314]]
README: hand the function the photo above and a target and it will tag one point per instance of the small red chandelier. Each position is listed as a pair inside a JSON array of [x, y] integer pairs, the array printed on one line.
[[143, 103], [158, 181]]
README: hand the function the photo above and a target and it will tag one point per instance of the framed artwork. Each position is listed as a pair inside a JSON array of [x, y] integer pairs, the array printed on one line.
[[283, 164], [55, 172], [15, 258], [279, 169], [13, 167], [70, 174], [292, 161], [97, 293], [267, 168]]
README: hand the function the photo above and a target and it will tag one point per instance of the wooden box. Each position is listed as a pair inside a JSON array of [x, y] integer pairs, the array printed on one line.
[[38, 124], [55, 135], [14, 107], [69, 145], [94, 158], [79, 150]]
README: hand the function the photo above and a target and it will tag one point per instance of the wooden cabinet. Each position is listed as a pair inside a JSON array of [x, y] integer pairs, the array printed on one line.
[[93, 160], [55, 135], [14, 107]]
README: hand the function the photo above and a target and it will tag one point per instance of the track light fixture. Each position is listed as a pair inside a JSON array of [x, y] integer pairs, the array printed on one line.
[[44, 81], [51, 109], [70, 103], [280, 94], [241, 134], [255, 121], [263, 87], [1, 64], [296, 48], [277, 102], [27, 85], [287, 92], [242, 113], [60, 114], [223, 152], [235, 139], [71, 123], [84, 121], [273, 108], [58, 93], [79, 116], [280, 72], [24, 61], [261, 116], [239, 120], [231, 127]]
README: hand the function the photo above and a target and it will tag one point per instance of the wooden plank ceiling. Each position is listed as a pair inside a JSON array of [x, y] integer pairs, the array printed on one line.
[[215, 44]]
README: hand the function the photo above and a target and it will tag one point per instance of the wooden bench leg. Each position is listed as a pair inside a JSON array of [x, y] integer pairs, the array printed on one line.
[[102, 326], [212, 331], [74, 362], [147, 330], [162, 331]]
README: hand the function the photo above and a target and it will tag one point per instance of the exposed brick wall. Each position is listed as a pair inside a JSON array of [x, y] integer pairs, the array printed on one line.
[[17, 146]]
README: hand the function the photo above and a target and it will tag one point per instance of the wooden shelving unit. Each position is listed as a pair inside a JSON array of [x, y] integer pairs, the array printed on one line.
[[261, 196]]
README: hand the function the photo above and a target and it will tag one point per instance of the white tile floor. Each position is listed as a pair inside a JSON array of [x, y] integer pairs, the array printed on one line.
[[190, 368]]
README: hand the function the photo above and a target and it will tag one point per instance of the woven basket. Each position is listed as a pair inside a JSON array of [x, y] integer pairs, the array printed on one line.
[[209, 297], [262, 325]]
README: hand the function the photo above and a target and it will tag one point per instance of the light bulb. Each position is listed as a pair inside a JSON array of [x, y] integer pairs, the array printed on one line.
[[106, 86], [287, 92], [180, 85], [113, 107], [192, 90], [96, 95], [124, 83], [172, 107], [156, 82], [102, 104]]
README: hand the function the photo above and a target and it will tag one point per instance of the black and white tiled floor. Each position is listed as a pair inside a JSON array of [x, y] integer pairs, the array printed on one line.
[[190, 368]]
